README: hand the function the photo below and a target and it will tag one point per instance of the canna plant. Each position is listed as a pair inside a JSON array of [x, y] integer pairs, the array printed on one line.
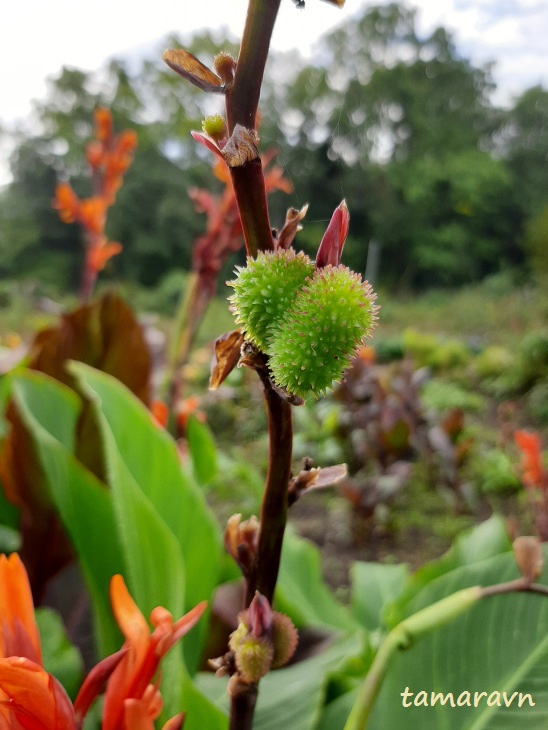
[[142, 513], [109, 156], [30, 697]]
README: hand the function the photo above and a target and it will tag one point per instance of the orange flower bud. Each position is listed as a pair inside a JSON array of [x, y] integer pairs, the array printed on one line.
[[95, 154], [103, 124], [92, 214], [127, 141], [66, 202], [98, 256]]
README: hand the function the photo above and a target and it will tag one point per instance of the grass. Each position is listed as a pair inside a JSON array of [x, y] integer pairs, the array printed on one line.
[[490, 313]]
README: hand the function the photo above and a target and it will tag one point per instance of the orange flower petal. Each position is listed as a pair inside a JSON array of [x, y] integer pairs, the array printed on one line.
[[66, 202], [129, 618], [18, 630], [160, 412], [93, 214], [95, 681], [98, 256], [176, 723], [103, 124], [36, 697]]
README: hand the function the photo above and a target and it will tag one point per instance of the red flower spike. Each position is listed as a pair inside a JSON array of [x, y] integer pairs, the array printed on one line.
[[332, 243]]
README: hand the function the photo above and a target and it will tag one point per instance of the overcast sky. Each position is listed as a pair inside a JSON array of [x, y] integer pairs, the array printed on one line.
[[37, 37]]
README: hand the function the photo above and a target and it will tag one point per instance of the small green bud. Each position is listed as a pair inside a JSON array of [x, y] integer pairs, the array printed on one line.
[[238, 636], [314, 343], [284, 639], [265, 290], [254, 658], [225, 66], [215, 127]]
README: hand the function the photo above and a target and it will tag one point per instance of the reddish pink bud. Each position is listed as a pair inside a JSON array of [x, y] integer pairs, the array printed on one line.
[[331, 246], [259, 616]]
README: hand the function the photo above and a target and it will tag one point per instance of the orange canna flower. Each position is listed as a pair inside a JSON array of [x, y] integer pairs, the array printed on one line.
[[32, 699], [186, 408], [132, 678], [160, 413], [66, 202], [98, 255], [103, 124], [92, 214], [109, 157], [534, 474], [35, 699], [95, 154]]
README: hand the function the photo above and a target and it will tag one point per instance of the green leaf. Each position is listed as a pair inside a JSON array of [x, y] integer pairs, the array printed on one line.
[[500, 645], [373, 586], [84, 503], [60, 657], [145, 468], [202, 451], [335, 714], [487, 539], [301, 591]]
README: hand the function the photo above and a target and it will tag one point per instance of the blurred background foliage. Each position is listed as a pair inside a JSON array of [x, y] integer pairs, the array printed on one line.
[[451, 187]]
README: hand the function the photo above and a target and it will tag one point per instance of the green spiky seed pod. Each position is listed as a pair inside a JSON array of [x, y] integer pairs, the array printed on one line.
[[284, 639], [253, 658], [314, 343], [266, 289]]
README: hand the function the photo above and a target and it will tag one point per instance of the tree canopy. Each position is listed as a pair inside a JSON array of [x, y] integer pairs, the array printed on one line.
[[401, 125]]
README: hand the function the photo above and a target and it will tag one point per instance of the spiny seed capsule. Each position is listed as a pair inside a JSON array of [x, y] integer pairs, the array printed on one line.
[[254, 658], [314, 343], [284, 639], [265, 289]]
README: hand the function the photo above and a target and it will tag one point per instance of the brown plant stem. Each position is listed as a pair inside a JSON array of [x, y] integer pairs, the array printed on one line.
[[274, 505], [242, 708], [242, 101]]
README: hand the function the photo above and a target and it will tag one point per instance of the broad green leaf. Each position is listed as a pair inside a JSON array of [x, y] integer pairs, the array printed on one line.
[[292, 697], [301, 591], [84, 504], [146, 453], [5, 390], [335, 714], [202, 451], [60, 657], [56, 408], [202, 711], [500, 645], [373, 585], [487, 539]]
